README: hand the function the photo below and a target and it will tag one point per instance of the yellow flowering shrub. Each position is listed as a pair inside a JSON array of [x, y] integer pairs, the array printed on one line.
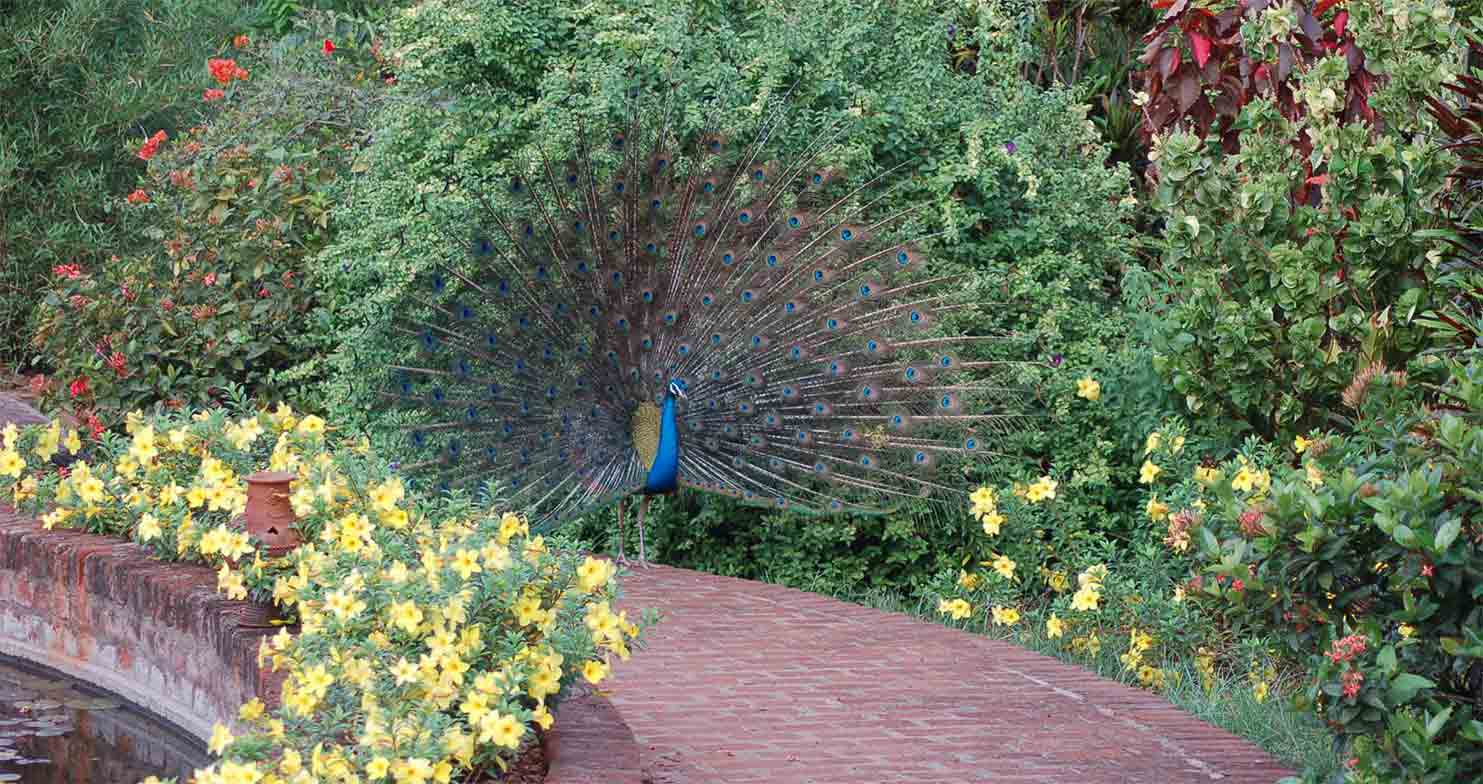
[[434, 636]]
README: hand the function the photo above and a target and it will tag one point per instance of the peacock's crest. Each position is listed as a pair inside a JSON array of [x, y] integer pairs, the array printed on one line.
[[791, 307]]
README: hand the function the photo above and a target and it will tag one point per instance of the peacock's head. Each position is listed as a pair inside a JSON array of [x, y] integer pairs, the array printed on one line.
[[677, 388]]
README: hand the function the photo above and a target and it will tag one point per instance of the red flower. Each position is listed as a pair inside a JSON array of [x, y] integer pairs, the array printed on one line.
[[241, 42], [38, 384], [119, 363], [1427, 570], [68, 271], [213, 94], [79, 386], [1238, 586], [1342, 650], [222, 70], [137, 197], [95, 425], [239, 73], [210, 279], [181, 178], [329, 46], [152, 145], [1352, 680], [263, 292]]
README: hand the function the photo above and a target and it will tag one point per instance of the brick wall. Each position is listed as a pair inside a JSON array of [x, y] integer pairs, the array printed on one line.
[[104, 611]]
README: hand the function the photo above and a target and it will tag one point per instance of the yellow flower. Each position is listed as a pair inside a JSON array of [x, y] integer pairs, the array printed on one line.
[[407, 616], [983, 496], [8, 435], [1059, 582], [1086, 598], [1178, 445], [534, 549], [1300, 444], [968, 581], [501, 730], [221, 738], [1207, 475], [1006, 616], [1157, 510], [992, 521], [594, 671], [1088, 388], [1314, 475], [404, 671], [149, 527], [957, 608], [1178, 593], [466, 563], [1004, 566], [252, 710], [1043, 488], [378, 768], [593, 574], [509, 525], [291, 763], [1153, 441], [1054, 626], [1148, 473], [12, 464], [311, 424], [388, 494], [1406, 630]]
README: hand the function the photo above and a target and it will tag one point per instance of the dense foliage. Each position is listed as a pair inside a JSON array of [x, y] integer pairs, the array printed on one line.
[[82, 81], [213, 287]]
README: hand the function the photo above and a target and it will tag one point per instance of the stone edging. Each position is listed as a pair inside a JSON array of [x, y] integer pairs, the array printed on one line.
[[106, 612]]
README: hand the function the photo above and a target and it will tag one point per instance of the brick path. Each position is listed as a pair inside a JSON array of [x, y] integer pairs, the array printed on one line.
[[750, 682]]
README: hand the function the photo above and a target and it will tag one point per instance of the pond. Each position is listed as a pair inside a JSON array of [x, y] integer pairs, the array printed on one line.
[[57, 730]]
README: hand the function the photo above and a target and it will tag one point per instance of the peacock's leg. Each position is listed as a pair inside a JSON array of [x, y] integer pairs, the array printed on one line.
[[622, 559], [643, 509]]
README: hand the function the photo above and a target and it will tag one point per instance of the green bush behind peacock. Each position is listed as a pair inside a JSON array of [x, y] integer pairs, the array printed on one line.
[[1013, 175]]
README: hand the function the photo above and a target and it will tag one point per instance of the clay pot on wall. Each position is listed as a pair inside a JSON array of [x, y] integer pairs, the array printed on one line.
[[270, 515]]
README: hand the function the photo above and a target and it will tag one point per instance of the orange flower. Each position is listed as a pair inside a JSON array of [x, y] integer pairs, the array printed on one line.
[[137, 197], [214, 94], [241, 42]]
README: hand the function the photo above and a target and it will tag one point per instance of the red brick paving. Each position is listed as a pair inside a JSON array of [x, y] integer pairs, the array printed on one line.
[[749, 682]]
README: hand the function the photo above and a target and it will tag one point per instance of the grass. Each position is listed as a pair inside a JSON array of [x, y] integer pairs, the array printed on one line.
[[1295, 737]]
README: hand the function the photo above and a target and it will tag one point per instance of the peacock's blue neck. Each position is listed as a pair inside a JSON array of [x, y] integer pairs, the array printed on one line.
[[664, 474]]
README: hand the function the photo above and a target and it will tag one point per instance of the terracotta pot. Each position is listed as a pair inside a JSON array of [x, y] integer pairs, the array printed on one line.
[[270, 515]]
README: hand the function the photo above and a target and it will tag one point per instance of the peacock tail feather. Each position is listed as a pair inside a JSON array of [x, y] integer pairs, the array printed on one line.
[[795, 309]]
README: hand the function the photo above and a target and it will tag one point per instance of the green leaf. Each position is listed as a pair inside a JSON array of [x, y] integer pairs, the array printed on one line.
[[1386, 659], [1446, 535], [1403, 688]]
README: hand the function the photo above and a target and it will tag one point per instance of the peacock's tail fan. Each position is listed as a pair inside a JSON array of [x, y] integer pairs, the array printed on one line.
[[796, 303]]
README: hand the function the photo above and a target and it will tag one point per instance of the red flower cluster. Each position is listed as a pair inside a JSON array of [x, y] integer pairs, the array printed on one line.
[[224, 70], [1352, 680], [152, 145], [241, 41], [137, 197], [68, 271], [1347, 648], [213, 94], [181, 178], [118, 362], [79, 386]]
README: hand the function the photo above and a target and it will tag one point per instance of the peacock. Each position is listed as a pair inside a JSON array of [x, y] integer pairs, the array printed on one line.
[[662, 307]]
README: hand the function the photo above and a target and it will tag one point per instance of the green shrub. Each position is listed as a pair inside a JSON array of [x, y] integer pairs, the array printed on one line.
[[81, 82], [1295, 263], [216, 290], [1012, 174], [1356, 553]]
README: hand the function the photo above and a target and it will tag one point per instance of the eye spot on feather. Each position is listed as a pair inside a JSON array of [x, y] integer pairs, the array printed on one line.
[[707, 299], [867, 461], [744, 217], [747, 295], [847, 234], [727, 259], [758, 175], [614, 236], [648, 295], [618, 186], [439, 283], [794, 221], [503, 288], [578, 227], [700, 229], [715, 339], [865, 291], [651, 248], [483, 247], [818, 178], [773, 260], [903, 258]]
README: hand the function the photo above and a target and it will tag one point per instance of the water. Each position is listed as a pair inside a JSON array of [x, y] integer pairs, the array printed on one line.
[[56, 730]]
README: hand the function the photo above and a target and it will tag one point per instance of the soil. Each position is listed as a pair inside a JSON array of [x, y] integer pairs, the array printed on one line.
[[530, 768]]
